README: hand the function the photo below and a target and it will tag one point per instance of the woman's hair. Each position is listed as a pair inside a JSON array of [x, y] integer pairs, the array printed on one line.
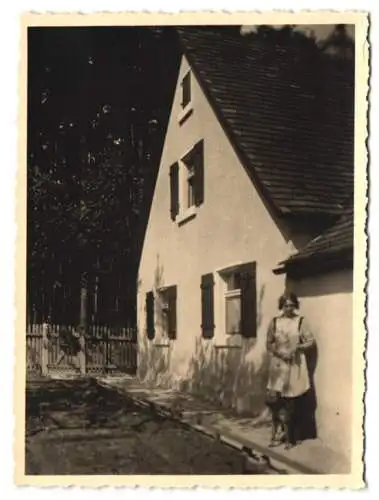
[[288, 296]]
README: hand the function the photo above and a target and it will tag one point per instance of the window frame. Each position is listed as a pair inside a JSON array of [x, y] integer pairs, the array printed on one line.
[[191, 175], [168, 298], [190, 184], [247, 282], [231, 293]]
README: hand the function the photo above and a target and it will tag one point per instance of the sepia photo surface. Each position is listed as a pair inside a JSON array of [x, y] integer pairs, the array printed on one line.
[[191, 254]]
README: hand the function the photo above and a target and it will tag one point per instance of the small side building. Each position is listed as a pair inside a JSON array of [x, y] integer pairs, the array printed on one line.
[[321, 274]]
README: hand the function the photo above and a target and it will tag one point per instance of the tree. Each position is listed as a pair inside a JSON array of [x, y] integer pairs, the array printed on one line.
[[94, 140], [339, 44]]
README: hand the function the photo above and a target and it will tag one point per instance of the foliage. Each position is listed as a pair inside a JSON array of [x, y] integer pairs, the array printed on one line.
[[92, 157]]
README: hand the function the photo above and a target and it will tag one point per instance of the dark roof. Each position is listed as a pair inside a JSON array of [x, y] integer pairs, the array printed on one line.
[[337, 240], [291, 123]]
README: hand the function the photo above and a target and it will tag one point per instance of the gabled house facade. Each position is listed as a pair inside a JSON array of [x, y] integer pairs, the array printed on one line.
[[257, 162]]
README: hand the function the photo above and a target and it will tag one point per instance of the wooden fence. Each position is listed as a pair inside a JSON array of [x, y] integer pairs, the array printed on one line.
[[58, 348], [34, 348]]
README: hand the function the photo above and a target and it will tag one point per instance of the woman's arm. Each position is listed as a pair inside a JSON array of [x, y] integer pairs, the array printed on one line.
[[270, 340], [271, 344], [306, 338]]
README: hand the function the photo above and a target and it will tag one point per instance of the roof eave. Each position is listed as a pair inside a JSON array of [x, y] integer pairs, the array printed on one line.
[[317, 263]]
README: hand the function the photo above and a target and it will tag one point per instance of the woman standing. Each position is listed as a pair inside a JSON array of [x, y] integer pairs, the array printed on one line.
[[288, 337]]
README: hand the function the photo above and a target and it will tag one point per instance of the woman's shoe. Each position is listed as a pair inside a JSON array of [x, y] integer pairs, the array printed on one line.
[[274, 443], [288, 446]]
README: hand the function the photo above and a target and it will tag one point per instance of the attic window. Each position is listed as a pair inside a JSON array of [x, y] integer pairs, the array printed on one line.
[[186, 90], [193, 192]]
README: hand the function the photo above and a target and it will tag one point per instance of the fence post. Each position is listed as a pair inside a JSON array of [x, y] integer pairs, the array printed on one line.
[[44, 352], [82, 352]]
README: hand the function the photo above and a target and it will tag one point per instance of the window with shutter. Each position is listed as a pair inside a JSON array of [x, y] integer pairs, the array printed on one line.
[[239, 295], [174, 190], [194, 164], [150, 323], [199, 174], [186, 90], [207, 306]]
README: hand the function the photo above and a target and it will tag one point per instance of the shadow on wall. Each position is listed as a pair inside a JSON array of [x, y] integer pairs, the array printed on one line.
[[223, 376], [308, 403], [159, 316], [154, 357], [340, 282], [231, 377], [227, 377], [154, 363]]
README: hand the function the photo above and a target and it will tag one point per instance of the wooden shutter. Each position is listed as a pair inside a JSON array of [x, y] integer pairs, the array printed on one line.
[[199, 173], [174, 190], [150, 328], [171, 299], [248, 300], [186, 90], [207, 306]]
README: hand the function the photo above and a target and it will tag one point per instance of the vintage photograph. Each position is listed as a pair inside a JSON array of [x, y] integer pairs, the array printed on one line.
[[191, 231]]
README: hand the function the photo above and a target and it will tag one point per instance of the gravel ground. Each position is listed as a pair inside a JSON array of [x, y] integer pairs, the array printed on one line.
[[79, 427]]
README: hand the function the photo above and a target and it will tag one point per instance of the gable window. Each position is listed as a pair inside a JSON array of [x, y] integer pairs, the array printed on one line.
[[186, 103], [192, 192], [186, 90], [187, 184]]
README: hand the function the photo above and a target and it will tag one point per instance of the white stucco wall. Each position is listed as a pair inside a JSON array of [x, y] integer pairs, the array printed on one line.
[[327, 302], [232, 226]]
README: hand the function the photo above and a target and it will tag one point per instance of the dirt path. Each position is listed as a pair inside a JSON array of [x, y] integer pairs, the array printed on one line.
[[79, 427]]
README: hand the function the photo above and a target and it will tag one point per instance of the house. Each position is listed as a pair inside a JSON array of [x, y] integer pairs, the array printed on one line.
[[258, 161], [321, 274]]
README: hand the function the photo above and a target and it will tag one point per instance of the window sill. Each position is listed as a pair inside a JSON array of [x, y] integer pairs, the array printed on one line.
[[186, 216], [227, 346], [162, 343], [185, 113], [229, 341]]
